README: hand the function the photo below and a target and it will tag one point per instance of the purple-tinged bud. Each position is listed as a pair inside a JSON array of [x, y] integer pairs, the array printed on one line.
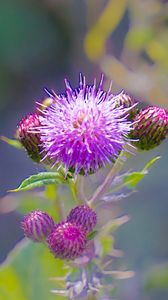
[[37, 225], [29, 139], [126, 101], [67, 241], [84, 216], [150, 127]]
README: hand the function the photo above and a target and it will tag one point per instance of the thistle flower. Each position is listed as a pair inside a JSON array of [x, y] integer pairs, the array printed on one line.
[[37, 225], [67, 241], [83, 129], [30, 140], [150, 127], [84, 216]]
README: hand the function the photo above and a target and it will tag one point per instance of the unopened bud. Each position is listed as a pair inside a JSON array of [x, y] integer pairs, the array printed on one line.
[[67, 241], [37, 225], [126, 101], [150, 127], [84, 216], [29, 139]]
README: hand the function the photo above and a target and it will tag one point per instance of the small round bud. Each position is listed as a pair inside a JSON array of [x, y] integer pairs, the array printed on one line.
[[67, 241], [47, 102], [84, 216], [29, 139], [126, 101], [37, 225], [150, 127]]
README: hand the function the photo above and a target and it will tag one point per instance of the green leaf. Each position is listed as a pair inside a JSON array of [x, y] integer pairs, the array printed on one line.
[[91, 235], [151, 162], [26, 273], [13, 143], [132, 179], [38, 180]]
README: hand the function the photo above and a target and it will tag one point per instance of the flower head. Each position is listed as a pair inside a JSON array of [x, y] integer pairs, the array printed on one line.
[[67, 241], [83, 129], [29, 139], [150, 127], [37, 225], [83, 215]]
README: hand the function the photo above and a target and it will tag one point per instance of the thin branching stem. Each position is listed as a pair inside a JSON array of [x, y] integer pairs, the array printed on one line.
[[103, 188]]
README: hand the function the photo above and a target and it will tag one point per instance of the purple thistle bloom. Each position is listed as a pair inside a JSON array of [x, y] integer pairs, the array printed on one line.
[[84, 216], [83, 129], [67, 241], [37, 225]]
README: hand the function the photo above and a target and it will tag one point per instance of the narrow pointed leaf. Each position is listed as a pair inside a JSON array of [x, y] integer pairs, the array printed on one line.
[[151, 162], [39, 180], [12, 142], [91, 235], [132, 179]]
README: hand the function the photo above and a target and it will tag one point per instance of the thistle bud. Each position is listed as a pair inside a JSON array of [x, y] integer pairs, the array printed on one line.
[[67, 241], [37, 225], [84, 216], [150, 127], [29, 139], [126, 101]]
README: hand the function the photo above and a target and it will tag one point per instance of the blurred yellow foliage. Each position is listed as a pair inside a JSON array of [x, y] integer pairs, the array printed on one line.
[[96, 38], [142, 66]]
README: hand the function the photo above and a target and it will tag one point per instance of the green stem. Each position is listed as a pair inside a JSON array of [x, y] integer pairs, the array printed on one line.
[[103, 188], [52, 194], [75, 189]]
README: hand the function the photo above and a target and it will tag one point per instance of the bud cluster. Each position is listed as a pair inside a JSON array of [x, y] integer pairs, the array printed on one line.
[[67, 239]]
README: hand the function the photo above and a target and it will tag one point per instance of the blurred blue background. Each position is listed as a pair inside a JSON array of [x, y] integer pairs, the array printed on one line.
[[41, 43]]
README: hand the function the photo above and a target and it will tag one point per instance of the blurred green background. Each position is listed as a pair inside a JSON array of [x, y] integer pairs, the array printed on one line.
[[41, 43]]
